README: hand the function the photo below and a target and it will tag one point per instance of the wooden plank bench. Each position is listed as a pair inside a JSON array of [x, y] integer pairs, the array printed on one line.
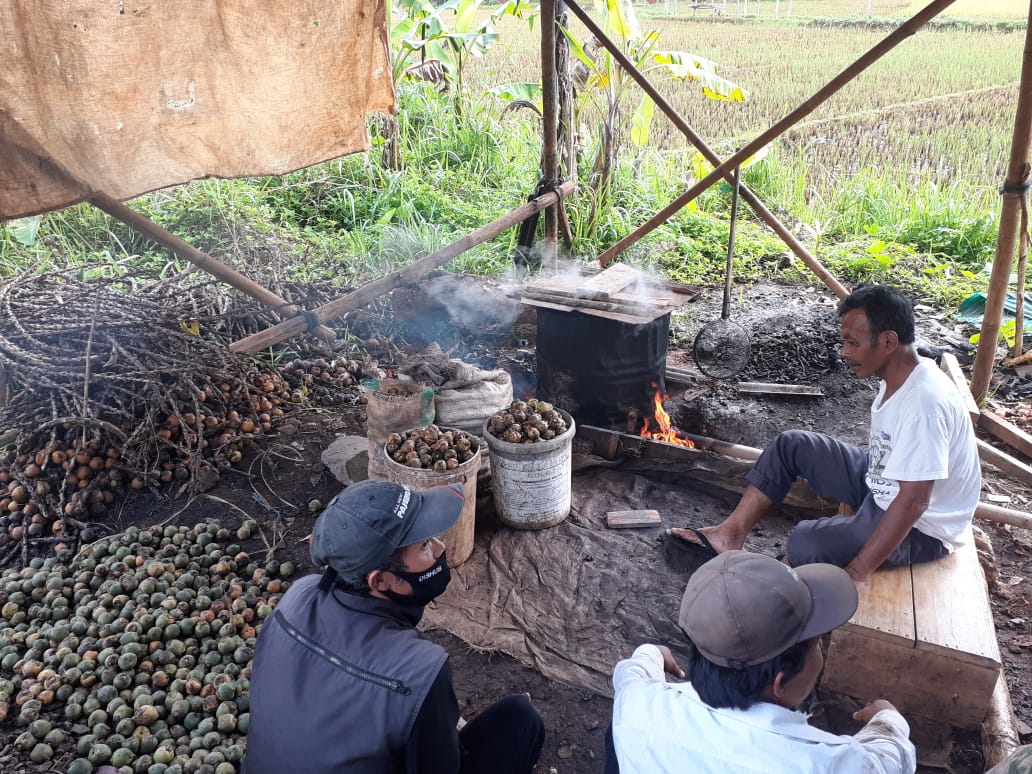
[[923, 638]]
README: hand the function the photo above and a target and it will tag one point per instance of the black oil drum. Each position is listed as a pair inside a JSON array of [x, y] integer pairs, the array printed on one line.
[[602, 371]]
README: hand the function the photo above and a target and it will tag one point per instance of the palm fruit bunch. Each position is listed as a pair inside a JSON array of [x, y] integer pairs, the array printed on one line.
[[527, 422], [432, 447]]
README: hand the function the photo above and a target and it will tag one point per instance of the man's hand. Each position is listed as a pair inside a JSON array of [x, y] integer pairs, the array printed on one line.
[[669, 664], [859, 579], [864, 715]]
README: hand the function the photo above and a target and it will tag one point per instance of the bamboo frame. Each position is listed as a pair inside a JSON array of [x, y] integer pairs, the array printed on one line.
[[695, 139], [1014, 200], [904, 31], [372, 290]]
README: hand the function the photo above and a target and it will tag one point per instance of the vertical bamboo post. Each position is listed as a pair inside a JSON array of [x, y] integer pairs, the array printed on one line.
[[1015, 196], [549, 131]]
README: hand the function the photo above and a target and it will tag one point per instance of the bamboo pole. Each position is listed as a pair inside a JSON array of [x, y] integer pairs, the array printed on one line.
[[985, 511], [202, 260], [904, 31], [1019, 289], [25, 142], [550, 131], [1014, 194], [1000, 736], [376, 288], [695, 139]]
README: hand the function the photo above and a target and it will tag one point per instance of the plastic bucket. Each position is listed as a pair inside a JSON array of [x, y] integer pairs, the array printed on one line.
[[391, 407], [458, 540], [532, 481]]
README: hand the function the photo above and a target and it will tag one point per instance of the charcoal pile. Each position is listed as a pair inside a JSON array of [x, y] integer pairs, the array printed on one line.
[[788, 349], [117, 384]]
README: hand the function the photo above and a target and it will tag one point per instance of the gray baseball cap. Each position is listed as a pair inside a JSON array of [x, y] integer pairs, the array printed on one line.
[[367, 522], [741, 609]]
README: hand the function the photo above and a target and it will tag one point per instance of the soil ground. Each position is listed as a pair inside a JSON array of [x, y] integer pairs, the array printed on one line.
[[794, 334]]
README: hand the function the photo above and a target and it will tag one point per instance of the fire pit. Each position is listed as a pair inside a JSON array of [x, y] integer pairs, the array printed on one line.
[[602, 343]]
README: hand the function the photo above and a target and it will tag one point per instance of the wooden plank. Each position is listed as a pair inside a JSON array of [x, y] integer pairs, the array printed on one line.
[[609, 281], [1009, 433], [920, 683], [628, 519], [886, 607], [766, 388], [613, 305], [951, 368], [951, 608], [1004, 461]]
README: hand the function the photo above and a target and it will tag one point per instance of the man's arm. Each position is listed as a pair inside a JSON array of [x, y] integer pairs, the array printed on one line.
[[899, 518], [886, 736], [433, 745]]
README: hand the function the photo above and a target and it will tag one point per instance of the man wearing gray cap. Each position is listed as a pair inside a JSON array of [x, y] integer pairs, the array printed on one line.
[[754, 627], [342, 682]]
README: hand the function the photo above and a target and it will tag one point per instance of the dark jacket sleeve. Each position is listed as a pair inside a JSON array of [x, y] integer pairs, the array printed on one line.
[[433, 746]]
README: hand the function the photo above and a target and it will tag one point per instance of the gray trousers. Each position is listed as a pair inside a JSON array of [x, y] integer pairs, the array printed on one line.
[[837, 471]]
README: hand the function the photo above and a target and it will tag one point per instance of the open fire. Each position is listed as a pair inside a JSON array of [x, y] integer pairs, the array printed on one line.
[[659, 427]]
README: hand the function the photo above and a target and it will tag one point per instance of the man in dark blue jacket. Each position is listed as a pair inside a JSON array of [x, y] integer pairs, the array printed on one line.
[[342, 682]]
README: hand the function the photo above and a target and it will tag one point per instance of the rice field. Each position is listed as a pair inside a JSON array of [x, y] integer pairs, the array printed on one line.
[[928, 125]]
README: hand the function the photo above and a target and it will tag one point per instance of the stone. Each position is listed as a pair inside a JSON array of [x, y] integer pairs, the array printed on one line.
[[337, 456]]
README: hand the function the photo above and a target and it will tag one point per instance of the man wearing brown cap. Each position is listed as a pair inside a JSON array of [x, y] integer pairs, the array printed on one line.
[[754, 628], [343, 682]]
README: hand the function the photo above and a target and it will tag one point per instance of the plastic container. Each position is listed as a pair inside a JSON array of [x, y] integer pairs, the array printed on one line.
[[458, 541], [393, 406], [532, 481]]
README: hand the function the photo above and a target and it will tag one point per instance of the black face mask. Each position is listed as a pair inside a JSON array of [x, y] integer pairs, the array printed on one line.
[[426, 585]]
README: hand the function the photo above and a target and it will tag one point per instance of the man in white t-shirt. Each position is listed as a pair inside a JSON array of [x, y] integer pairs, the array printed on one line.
[[913, 492]]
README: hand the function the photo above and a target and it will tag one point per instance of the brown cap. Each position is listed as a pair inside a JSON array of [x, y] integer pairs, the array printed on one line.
[[741, 609]]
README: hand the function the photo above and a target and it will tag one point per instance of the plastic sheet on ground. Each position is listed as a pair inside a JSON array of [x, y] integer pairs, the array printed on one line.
[[572, 600]]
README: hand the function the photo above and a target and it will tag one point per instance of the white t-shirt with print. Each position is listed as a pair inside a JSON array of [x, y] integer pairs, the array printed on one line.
[[924, 433]]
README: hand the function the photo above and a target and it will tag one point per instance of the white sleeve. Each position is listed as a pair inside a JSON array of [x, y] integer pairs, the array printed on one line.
[[646, 663], [886, 739]]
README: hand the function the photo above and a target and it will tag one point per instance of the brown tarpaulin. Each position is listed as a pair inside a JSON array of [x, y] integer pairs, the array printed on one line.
[[572, 600], [133, 96]]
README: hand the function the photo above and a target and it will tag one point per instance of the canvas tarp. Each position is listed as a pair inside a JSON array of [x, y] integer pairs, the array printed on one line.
[[133, 96], [572, 600]]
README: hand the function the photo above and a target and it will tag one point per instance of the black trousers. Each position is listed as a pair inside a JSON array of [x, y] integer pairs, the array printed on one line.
[[505, 738]]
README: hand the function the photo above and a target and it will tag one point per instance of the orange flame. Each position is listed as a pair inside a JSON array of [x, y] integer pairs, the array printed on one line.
[[665, 431]]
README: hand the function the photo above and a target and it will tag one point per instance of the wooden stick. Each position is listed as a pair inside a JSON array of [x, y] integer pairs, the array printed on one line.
[[695, 139], [1003, 259], [904, 31], [1000, 731], [1016, 361], [617, 441], [1019, 289], [1004, 462], [549, 130], [372, 290], [765, 388], [1002, 515], [1009, 433], [573, 302], [951, 368]]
